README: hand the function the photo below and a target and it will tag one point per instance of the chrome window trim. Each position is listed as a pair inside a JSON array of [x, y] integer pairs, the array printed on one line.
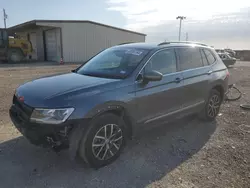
[[151, 58], [178, 71]]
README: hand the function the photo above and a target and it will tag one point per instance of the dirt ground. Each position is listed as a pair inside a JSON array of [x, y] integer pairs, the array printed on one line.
[[187, 153]]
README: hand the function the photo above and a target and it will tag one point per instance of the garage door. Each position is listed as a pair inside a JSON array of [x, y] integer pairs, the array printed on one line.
[[51, 45]]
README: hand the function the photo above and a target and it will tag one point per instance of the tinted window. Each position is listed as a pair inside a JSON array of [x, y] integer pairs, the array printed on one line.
[[164, 62], [204, 59], [190, 58], [113, 63], [211, 59]]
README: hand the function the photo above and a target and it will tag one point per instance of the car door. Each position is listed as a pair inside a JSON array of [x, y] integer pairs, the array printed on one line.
[[158, 99], [196, 75]]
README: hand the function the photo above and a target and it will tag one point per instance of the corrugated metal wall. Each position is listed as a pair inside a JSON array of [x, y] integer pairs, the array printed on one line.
[[81, 41]]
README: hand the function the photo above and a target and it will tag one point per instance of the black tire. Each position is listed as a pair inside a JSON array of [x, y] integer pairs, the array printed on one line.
[[90, 145], [212, 107], [15, 55]]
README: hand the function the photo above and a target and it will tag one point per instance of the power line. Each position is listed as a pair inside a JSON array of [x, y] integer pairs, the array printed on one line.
[[186, 36]]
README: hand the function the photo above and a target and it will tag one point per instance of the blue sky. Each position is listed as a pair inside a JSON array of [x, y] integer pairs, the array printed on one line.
[[218, 23], [95, 10]]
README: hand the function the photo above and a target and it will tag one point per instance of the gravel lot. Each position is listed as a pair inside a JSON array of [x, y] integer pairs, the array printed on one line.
[[187, 153]]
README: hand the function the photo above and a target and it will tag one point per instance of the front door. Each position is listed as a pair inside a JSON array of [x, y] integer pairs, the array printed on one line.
[[158, 99]]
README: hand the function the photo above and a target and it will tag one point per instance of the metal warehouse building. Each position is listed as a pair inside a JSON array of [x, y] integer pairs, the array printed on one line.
[[72, 40]]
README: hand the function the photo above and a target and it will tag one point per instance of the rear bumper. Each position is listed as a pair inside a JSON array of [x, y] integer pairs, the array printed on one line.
[[45, 135]]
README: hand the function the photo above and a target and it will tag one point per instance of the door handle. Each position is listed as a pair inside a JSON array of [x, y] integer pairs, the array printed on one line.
[[209, 72], [177, 80]]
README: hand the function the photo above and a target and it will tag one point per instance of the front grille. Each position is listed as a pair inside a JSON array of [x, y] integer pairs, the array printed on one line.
[[21, 110]]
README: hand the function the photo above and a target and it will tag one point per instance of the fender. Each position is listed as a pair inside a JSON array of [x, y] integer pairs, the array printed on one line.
[[115, 106]]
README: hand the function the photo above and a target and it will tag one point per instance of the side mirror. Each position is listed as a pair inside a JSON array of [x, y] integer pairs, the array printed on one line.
[[152, 76]]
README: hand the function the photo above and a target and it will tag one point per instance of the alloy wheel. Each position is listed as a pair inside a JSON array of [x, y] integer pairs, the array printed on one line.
[[213, 106], [107, 141]]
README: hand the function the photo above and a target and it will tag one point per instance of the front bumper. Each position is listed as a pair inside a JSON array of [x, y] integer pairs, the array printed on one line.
[[45, 135]]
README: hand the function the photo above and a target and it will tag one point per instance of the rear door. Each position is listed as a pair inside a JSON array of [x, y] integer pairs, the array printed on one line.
[[196, 74], [159, 99]]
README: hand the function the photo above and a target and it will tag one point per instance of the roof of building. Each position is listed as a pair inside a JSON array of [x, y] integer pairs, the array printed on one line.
[[33, 22]]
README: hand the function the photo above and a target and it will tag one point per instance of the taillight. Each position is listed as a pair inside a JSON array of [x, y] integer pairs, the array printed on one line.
[[227, 74]]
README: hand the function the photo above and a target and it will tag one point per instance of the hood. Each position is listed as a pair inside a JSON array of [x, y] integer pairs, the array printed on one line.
[[52, 86]]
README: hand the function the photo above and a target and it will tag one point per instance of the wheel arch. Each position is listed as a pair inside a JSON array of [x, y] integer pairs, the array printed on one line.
[[118, 108], [219, 87]]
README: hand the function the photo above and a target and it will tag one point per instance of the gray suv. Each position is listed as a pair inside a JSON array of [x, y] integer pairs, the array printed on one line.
[[93, 110]]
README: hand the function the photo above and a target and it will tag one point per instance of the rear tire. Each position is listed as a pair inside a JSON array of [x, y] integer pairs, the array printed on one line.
[[104, 140], [212, 106]]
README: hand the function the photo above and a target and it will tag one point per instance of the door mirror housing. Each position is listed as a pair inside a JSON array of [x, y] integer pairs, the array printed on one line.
[[152, 76]]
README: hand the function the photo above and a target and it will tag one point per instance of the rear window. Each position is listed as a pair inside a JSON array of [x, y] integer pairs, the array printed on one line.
[[210, 57], [204, 58], [190, 58]]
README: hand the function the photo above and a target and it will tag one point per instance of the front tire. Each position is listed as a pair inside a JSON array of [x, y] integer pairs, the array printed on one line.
[[212, 106], [103, 142], [15, 55]]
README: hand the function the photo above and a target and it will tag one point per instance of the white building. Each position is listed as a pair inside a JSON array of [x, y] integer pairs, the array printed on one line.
[[72, 40]]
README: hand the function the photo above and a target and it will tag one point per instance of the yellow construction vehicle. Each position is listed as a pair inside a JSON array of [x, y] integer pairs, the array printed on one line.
[[13, 49]]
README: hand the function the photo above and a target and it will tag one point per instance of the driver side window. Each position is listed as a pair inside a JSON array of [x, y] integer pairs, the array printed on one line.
[[163, 62]]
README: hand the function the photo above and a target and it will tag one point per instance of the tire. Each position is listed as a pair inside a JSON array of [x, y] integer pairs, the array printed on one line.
[[212, 106], [15, 55], [99, 150]]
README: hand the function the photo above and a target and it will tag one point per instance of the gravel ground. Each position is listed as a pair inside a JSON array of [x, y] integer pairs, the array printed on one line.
[[187, 153]]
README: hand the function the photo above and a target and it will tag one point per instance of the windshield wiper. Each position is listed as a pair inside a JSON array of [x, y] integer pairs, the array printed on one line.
[[103, 76]]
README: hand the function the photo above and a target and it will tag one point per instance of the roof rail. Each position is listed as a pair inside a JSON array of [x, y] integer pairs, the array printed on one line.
[[163, 43], [125, 43], [181, 42]]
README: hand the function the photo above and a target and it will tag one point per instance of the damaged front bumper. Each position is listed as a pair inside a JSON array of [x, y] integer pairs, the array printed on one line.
[[45, 135]]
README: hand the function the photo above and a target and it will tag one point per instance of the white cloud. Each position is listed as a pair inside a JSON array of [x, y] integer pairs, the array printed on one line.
[[143, 13], [218, 23]]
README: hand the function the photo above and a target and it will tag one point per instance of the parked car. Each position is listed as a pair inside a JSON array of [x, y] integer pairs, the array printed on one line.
[[227, 59], [231, 52], [228, 51], [94, 109]]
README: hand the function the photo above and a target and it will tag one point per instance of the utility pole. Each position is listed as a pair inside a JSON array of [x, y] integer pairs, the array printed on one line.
[[186, 36], [5, 16], [181, 18]]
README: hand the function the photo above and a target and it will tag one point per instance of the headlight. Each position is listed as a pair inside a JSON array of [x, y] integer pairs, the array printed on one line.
[[51, 116]]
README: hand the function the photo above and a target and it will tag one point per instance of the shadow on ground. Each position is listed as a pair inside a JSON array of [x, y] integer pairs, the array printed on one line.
[[147, 158]]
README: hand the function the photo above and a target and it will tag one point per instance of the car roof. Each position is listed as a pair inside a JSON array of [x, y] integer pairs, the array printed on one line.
[[151, 46]]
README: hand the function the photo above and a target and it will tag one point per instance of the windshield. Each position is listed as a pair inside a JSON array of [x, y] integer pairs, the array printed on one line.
[[113, 63]]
